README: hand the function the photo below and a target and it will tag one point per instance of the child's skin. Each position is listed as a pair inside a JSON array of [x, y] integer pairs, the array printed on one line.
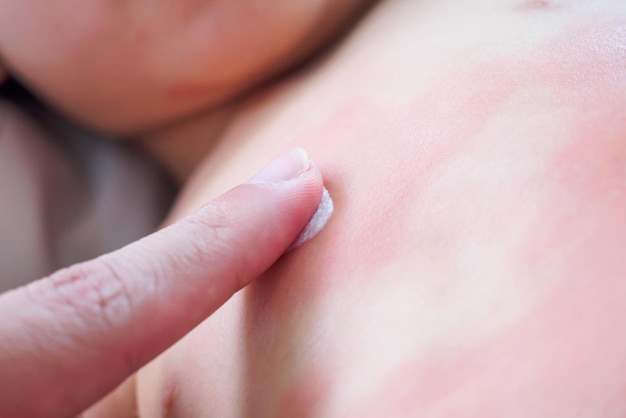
[[475, 262], [474, 266]]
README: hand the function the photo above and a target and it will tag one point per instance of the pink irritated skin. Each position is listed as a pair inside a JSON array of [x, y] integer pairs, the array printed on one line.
[[537, 5], [567, 355], [566, 359], [420, 149]]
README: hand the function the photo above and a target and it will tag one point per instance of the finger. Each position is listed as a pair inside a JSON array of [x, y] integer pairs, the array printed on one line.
[[70, 338]]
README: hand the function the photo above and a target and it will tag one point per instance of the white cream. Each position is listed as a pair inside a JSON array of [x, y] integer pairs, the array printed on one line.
[[318, 221]]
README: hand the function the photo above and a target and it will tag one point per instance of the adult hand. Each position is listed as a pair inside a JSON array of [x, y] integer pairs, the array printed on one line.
[[70, 338]]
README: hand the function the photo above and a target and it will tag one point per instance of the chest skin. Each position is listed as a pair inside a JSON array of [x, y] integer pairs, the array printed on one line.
[[474, 264]]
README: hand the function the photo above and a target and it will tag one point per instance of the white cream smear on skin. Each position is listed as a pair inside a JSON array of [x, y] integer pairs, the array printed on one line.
[[318, 221]]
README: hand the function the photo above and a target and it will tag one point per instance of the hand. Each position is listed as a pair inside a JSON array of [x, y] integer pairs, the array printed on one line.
[[70, 338]]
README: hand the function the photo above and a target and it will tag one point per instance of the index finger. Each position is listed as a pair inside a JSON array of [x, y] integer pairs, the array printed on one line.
[[69, 339]]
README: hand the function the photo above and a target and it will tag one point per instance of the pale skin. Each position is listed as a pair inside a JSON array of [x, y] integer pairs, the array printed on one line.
[[474, 265]]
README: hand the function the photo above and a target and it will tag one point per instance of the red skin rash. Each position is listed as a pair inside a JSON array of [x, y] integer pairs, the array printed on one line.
[[426, 136], [568, 357], [535, 5], [573, 332], [429, 134], [566, 353]]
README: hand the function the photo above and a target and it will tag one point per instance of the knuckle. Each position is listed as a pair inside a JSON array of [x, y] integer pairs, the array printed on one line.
[[94, 292], [213, 218], [211, 230], [112, 296], [211, 242]]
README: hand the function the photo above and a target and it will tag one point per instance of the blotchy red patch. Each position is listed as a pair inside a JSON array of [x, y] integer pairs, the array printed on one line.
[[535, 5], [375, 214], [568, 357], [415, 144], [374, 207]]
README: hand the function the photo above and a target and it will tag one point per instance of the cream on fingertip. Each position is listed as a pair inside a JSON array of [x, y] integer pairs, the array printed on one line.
[[318, 221]]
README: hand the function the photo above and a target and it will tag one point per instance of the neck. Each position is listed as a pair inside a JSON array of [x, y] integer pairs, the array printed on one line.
[[181, 146]]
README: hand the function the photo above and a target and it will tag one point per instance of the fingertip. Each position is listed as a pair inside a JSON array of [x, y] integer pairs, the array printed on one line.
[[287, 166], [299, 196], [294, 179]]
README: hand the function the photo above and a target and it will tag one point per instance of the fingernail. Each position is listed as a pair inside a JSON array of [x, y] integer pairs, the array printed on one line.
[[286, 166]]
